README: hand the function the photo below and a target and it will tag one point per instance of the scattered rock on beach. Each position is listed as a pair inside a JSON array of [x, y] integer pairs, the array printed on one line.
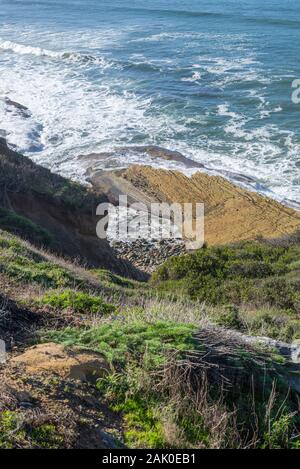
[[147, 255]]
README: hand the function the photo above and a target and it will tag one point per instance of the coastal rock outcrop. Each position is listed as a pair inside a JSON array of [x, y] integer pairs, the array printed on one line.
[[232, 213]]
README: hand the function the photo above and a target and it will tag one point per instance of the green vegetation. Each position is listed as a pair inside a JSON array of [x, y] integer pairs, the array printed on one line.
[[43, 273], [175, 380], [253, 287], [110, 278], [255, 273], [118, 340], [167, 402], [27, 265], [70, 193], [25, 228], [16, 431], [23, 264], [79, 302]]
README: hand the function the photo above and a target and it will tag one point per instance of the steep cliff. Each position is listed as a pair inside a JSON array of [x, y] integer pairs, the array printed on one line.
[[52, 211]]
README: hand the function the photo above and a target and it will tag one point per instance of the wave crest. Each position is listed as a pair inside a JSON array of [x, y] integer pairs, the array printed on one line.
[[22, 49]]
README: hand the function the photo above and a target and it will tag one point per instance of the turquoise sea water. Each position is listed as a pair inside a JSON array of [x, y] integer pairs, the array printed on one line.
[[210, 79]]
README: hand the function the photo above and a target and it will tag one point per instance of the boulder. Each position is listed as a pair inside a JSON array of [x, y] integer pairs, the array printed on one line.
[[64, 361]]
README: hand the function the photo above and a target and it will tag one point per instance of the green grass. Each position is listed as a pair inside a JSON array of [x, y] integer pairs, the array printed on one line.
[[266, 306], [25, 228], [251, 287], [136, 348], [12, 245], [77, 301], [43, 273], [143, 427], [16, 432], [116, 280], [271, 323], [165, 411], [23, 264], [120, 341]]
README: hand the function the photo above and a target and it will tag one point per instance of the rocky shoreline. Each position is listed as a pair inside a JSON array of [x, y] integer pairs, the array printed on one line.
[[119, 159], [232, 214], [147, 255]]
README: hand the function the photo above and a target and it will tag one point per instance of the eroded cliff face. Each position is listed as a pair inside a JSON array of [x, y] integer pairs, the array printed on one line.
[[65, 209], [231, 212]]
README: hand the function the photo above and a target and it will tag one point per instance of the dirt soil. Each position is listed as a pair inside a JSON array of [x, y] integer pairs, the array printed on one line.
[[61, 394]]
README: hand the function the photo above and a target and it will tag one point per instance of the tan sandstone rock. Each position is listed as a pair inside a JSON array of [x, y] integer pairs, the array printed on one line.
[[231, 213], [64, 361]]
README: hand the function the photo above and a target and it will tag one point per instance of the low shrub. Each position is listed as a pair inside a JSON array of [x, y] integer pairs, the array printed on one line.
[[44, 273], [21, 226], [251, 272], [15, 431], [119, 341], [79, 302], [230, 317]]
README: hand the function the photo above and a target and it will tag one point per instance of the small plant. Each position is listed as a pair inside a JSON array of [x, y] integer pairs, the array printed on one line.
[[43, 273], [25, 228], [11, 429], [45, 437], [229, 316], [279, 431], [143, 428], [79, 302], [109, 277]]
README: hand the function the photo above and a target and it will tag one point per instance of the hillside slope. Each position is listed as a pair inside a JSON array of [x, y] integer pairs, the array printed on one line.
[[99, 361], [54, 212]]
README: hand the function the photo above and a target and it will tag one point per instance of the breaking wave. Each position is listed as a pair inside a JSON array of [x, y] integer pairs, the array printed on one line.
[[79, 57]]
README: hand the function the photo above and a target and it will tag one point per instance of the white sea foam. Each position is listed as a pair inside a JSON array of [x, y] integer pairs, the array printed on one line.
[[25, 131], [220, 65], [76, 57], [241, 69], [237, 122], [173, 36], [195, 77], [71, 114]]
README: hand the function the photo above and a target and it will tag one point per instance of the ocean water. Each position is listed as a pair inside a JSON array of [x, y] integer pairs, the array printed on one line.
[[212, 80]]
